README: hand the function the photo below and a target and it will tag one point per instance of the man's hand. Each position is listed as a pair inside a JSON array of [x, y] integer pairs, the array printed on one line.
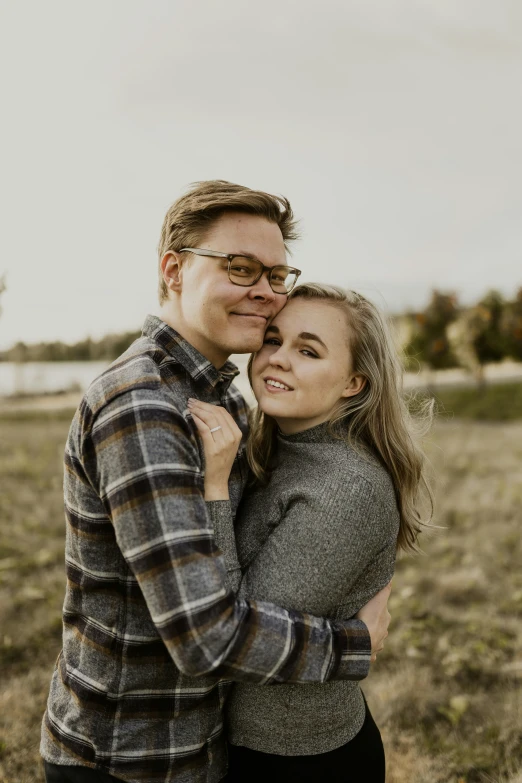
[[377, 618]]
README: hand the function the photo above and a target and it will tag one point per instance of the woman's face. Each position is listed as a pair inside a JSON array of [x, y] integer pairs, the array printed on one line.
[[304, 367]]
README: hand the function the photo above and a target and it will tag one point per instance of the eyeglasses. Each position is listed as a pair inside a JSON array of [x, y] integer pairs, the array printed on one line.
[[246, 271]]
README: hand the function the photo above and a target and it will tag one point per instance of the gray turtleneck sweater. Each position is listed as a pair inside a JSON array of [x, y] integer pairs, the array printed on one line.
[[320, 538]]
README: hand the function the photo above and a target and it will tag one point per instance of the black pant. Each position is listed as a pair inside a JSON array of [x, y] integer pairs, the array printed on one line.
[[56, 773], [359, 761]]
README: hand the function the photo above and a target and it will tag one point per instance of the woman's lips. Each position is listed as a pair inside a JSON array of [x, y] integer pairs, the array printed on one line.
[[274, 389]]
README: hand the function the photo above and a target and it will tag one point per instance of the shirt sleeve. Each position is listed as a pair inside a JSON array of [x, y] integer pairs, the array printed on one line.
[[143, 459]]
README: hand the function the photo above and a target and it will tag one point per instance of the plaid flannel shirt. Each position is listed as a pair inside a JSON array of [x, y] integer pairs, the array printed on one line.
[[152, 631]]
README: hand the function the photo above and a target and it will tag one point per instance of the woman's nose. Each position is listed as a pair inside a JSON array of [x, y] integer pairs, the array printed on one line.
[[279, 358]]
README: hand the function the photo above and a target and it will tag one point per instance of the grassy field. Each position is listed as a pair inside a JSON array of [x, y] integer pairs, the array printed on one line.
[[447, 690], [492, 402]]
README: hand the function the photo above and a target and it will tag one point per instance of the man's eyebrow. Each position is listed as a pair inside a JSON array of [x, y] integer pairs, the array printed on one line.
[[244, 254], [312, 336]]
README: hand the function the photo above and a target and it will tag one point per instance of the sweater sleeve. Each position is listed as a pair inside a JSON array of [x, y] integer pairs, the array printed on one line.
[[220, 513], [324, 542]]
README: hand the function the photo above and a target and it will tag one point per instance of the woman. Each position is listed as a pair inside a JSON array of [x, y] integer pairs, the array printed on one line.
[[337, 489]]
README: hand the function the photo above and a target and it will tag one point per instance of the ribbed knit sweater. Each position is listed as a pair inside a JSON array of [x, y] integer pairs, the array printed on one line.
[[321, 538]]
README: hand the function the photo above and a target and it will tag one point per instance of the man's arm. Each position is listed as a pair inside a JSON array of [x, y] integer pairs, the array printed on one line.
[[317, 567], [374, 614], [142, 457]]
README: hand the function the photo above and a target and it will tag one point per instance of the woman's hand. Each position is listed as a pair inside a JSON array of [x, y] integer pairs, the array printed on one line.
[[221, 438]]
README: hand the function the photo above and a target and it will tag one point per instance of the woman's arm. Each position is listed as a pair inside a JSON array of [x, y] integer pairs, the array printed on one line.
[[220, 513], [221, 437]]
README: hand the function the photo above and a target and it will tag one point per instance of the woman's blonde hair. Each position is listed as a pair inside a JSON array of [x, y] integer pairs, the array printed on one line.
[[377, 417]]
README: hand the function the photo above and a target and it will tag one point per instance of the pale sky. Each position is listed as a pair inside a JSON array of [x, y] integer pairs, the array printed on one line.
[[394, 127]]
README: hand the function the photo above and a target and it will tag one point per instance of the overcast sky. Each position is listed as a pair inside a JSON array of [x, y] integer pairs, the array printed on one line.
[[394, 127]]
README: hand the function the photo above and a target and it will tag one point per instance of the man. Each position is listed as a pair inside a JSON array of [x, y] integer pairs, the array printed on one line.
[[152, 635]]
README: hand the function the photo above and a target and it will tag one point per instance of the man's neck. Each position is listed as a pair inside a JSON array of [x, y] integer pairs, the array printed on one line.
[[216, 356]]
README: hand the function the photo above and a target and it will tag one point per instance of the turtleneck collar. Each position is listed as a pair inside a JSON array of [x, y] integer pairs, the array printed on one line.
[[318, 434]]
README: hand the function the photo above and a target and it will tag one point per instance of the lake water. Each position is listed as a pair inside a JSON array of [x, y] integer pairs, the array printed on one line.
[[51, 377], [47, 377]]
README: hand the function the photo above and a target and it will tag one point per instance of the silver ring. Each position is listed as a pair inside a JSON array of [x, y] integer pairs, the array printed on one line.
[[215, 429]]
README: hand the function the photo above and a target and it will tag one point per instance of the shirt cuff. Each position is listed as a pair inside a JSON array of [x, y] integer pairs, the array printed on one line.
[[356, 650]]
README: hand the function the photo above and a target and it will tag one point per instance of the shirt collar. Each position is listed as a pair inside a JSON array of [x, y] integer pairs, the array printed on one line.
[[198, 367]]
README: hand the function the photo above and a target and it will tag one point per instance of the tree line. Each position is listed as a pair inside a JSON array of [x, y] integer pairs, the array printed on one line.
[[443, 335], [106, 349], [446, 335]]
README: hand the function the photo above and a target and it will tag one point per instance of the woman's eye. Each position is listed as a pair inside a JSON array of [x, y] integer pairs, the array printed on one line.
[[309, 353], [271, 341]]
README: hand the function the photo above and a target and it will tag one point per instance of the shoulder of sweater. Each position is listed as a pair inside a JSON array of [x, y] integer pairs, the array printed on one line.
[[340, 465], [339, 455], [343, 490]]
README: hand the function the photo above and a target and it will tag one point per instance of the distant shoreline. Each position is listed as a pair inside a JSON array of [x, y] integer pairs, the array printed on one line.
[[434, 381]]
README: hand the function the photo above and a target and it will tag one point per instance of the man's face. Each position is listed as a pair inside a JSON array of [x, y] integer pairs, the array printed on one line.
[[218, 317]]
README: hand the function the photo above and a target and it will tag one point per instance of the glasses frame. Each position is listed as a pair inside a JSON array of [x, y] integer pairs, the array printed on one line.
[[230, 257]]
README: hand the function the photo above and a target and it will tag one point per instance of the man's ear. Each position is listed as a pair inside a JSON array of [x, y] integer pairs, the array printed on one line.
[[356, 384], [171, 270]]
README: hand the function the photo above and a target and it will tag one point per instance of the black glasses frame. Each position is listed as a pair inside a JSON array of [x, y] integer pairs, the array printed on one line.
[[262, 268]]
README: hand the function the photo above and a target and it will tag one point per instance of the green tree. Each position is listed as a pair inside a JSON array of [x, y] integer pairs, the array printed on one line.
[[83, 351], [478, 336], [511, 327], [19, 353], [429, 343], [489, 341], [106, 349]]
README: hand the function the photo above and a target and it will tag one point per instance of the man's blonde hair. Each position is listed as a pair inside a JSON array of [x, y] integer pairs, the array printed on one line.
[[192, 215]]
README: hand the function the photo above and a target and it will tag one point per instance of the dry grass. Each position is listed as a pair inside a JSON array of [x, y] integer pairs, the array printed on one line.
[[447, 689], [32, 583]]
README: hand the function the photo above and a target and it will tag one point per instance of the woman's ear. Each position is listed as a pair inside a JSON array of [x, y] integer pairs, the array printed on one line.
[[356, 384], [171, 268]]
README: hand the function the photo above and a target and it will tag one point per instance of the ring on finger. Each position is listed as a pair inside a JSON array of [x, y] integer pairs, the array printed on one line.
[[215, 429]]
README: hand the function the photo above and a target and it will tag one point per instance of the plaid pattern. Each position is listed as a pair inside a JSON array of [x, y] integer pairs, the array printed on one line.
[[151, 629]]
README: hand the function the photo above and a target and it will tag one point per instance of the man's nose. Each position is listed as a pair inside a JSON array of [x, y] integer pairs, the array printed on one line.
[[262, 290]]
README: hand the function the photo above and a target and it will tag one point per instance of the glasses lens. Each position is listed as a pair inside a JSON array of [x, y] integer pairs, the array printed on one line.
[[243, 271], [282, 279]]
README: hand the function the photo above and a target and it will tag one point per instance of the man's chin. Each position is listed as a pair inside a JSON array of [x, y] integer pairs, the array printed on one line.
[[247, 345]]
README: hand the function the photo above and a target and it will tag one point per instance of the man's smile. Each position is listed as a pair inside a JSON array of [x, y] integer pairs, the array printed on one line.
[[254, 317]]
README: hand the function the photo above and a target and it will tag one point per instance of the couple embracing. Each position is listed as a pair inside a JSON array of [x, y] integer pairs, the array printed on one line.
[[227, 574]]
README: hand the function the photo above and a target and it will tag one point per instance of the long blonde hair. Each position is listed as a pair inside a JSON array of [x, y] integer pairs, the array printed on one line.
[[377, 417]]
